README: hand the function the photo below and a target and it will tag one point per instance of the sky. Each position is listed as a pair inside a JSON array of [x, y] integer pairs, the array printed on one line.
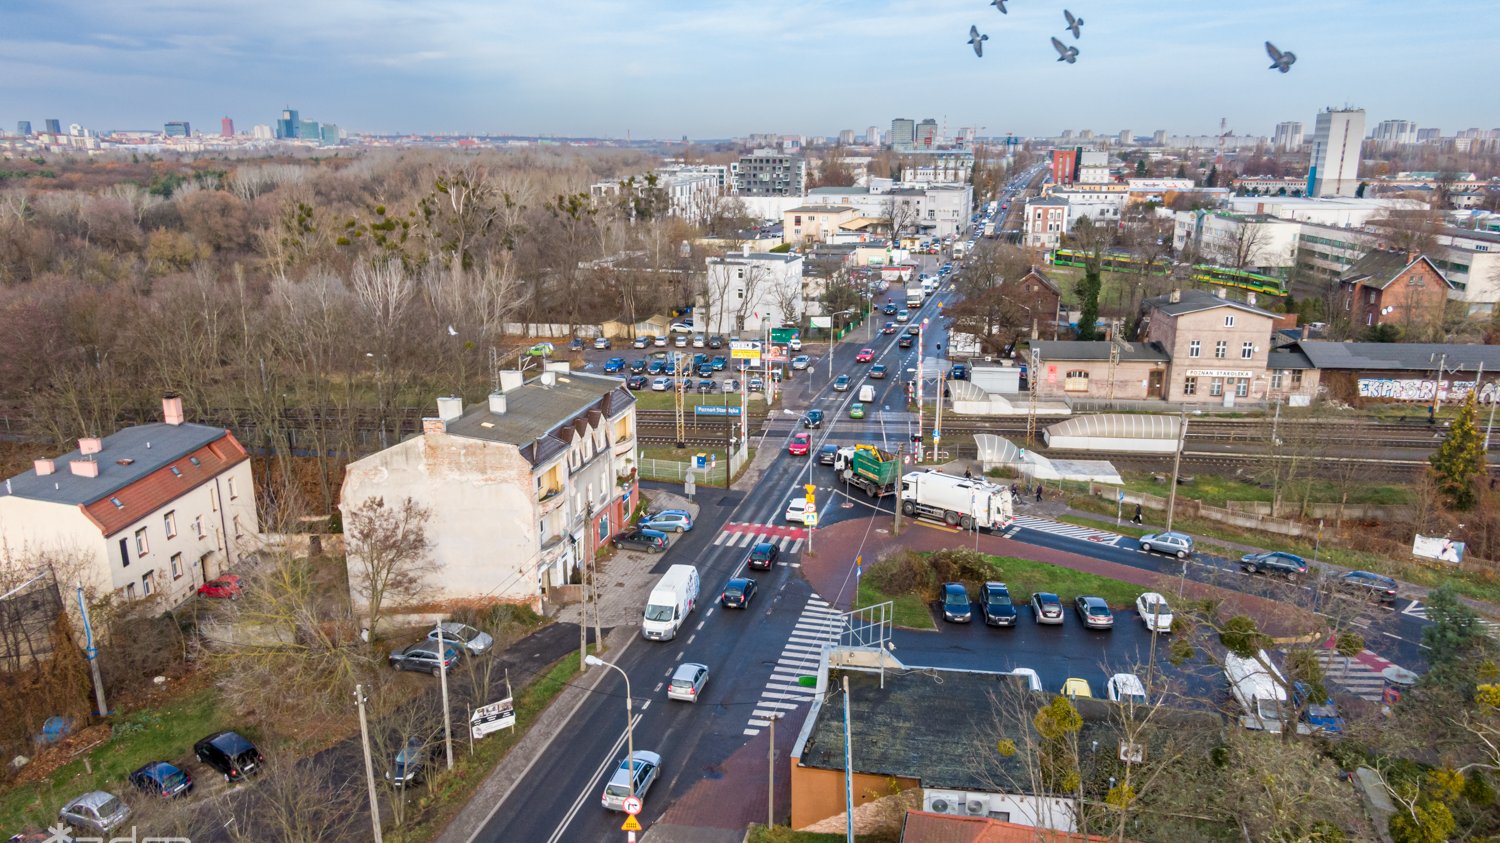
[[726, 68]]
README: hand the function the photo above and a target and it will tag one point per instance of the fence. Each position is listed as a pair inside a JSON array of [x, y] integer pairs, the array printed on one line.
[[27, 613], [675, 471]]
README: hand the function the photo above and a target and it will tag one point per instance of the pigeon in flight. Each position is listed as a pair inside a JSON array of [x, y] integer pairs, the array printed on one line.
[[1279, 60], [999, 4], [977, 41], [1073, 23], [1065, 52]]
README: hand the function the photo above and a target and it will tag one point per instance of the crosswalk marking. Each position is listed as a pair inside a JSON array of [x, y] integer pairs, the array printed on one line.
[[1047, 525], [817, 626], [1419, 610], [1352, 674]]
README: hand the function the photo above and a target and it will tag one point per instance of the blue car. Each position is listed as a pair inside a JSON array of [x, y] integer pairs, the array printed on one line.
[[159, 778], [657, 367], [1322, 717], [614, 364]]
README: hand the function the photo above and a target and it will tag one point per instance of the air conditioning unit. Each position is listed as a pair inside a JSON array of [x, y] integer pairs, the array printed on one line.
[[978, 806], [944, 802]]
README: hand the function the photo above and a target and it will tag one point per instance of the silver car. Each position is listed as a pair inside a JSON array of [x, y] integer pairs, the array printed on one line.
[[476, 641], [687, 682], [1172, 544], [646, 768], [669, 521], [97, 811], [801, 361]]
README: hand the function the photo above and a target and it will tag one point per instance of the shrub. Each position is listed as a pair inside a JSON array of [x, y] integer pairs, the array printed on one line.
[[960, 565], [902, 573]]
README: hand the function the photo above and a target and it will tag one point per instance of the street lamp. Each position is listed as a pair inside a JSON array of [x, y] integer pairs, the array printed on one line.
[[832, 330], [594, 661]]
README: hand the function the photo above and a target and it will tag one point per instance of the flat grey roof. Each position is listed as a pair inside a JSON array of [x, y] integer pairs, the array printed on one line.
[[1192, 301], [147, 447], [1099, 350], [1399, 356], [535, 413]]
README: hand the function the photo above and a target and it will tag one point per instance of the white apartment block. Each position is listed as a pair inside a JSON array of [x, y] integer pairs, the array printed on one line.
[[747, 292], [1335, 152]]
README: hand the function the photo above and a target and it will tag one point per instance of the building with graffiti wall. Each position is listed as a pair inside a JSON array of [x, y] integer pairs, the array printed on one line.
[[1361, 372]]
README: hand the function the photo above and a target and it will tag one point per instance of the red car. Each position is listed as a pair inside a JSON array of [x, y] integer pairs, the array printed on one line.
[[226, 587], [865, 355], [800, 445]]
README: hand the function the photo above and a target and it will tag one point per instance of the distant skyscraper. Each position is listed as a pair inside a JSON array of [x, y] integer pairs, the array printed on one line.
[[226, 128], [23, 128], [1395, 132], [846, 137], [927, 134], [1159, 137], [1288, 136], [289, 127], [903, 134], [1125, 137], [872, 136], [179, 129], [54, 126], [261, 131], [1335, 153], [309, 130], [328, 134], [966, 135], [1428, 135], [1086, 134], [1067, 134]]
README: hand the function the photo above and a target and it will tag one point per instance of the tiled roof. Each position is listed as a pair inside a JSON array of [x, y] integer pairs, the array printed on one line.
[[924, 827], [1380, 267], [1192, 301]]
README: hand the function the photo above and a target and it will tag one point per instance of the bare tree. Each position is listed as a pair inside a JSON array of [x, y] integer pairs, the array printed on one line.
[[296, 802], [899, 213], [388, 550]]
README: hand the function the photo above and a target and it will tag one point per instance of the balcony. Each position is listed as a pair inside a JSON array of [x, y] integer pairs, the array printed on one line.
[[624, 446], [550, 499]]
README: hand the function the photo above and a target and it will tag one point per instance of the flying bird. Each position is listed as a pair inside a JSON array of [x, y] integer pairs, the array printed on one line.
[[1065, 52], [977, 41], [1073, 23], [1279, 60], [999, 4]]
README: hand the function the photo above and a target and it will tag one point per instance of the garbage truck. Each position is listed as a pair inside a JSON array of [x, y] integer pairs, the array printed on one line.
[[868, 469], [956, 501]]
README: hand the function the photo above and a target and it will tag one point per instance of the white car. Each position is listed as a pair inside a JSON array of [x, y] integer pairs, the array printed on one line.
[[682, 328], [687, 682], [731, 385], [801, 361], [659, 342], [661, 384], [680, 341], [1154, 612], [699, 341], [795, 344], [1126, 687], [474, 640], [796, 510]]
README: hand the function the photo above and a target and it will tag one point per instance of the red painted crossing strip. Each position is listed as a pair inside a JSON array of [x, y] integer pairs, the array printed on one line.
[[773, 530]]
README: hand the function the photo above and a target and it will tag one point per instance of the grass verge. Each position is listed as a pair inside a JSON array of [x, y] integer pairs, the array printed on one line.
[[1217, 491], [1025, 576], [649, 400], [908, 610], [448, 793]]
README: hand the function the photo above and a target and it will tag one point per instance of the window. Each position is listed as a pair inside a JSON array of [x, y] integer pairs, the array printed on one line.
[[1189, 386], [213, 498], [170, 522], [130, 591], [1296, 379], [1229, 321], [198, 525], [1195, 348], [140, 542], [1076, 381], [1221, 349], [176, 566], [1242, 387], [125, 553], [1247, 350], [797, 219], [232, 493], [146, 584], [1216, 387], [1370, 296], [1276, 377], [237, 531], [176, 472], [116, 502]]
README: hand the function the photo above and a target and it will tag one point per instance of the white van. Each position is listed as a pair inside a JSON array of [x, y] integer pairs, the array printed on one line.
[[866, 393], [1260, 692], [672, 599]]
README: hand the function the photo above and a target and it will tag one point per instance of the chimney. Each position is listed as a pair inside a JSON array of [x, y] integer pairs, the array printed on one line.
[[171, 408], [84, 468], [44, 467], [497, 403], [1174, 297], [549, 379], [745, 250], [511, 379], [450, 407], [90, 445], [1306, 331]]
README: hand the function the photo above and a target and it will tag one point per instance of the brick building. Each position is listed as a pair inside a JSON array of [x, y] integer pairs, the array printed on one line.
[[1394, 288]]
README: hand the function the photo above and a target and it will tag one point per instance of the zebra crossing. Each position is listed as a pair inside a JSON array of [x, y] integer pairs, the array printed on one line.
[[1047, 525], [787, 539], [1353, 675], [1419, 610], [818, 625]]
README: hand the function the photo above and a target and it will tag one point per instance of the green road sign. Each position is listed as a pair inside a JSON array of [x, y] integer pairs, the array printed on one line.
[[783, 335]]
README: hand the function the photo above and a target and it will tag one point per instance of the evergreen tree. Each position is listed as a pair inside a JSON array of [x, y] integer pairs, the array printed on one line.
[[1182, 171], [1212, 179], [1088, 305], [1140, 167], [1459, 461]]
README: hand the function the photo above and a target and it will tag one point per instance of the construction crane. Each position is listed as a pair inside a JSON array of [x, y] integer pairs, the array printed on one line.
[[1223, 133]]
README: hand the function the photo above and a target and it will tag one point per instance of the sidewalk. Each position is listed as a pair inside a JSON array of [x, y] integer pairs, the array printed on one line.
[[624, 578]]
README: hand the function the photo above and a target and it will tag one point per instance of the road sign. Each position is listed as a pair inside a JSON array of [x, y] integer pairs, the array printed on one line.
[[744, 350], [810, 488], [710, 410], [783, 335], [632, 806], [936, 434], [492, 718], [631, 824], [810, 518]]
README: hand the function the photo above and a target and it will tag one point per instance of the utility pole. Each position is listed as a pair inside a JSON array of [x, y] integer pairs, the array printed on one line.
[[364, 736], [1114, 355], [443, 679], [1176, 467], [1031, 383], [1437, 385], [937, 419], [681, 390], [91, 653], [771, 790], [848, 768], [593, 573]]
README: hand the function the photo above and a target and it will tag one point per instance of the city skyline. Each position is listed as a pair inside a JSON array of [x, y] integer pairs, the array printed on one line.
[[600, 69]]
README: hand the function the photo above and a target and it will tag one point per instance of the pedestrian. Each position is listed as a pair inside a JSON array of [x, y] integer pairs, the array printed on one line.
[[1137, 518], [969, 476], [1431, 415], [1038, 493]]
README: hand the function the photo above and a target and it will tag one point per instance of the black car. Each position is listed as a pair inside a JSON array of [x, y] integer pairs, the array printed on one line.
[[878, 371], [827, 453], [638, 366], [763, 556], [889, 309], [1274, 561], [705, 370], [1376, 587], [997, 606], [412, 761], [956, 607], [159, 778], [905, 341], [637, 382], [959, 372], [231, 754], [716, 342], [651, 541], [812, 418], [707, 385], [737, 593]]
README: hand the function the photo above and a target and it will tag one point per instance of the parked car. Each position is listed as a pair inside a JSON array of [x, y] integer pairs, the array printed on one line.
[[704, 370], [475, 641], [905, 341], [841, 383], [738, 593], [718, 363], [956, 606], [801, 362], [659, 342], [1154, 612], [716, 341], [613, 365], [997, 606], [687, 682], [684, 328], [1172, 544], [800, 445], [661, 384], [812, 419], [226, 587], [669, 521], [763, 556], [756, 385], [412, 761], [232, 755], [680, 341], [97, 811], [1033, 681], [656, 367], [959, 372], [1094, 612], [651, 541], [159, 778], [1274, 561], [857, 410], [1075, 687], [1320, 716], [865, 355], [576, 344], [543, 349], [877, 371], [796, 510], [731, 385], [827, 454], [602, 344], [1380, 589], [635, 383], [1046, 607], [643, 341], [643, 768], [1125, 687], [699, 341], [423, 656]]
